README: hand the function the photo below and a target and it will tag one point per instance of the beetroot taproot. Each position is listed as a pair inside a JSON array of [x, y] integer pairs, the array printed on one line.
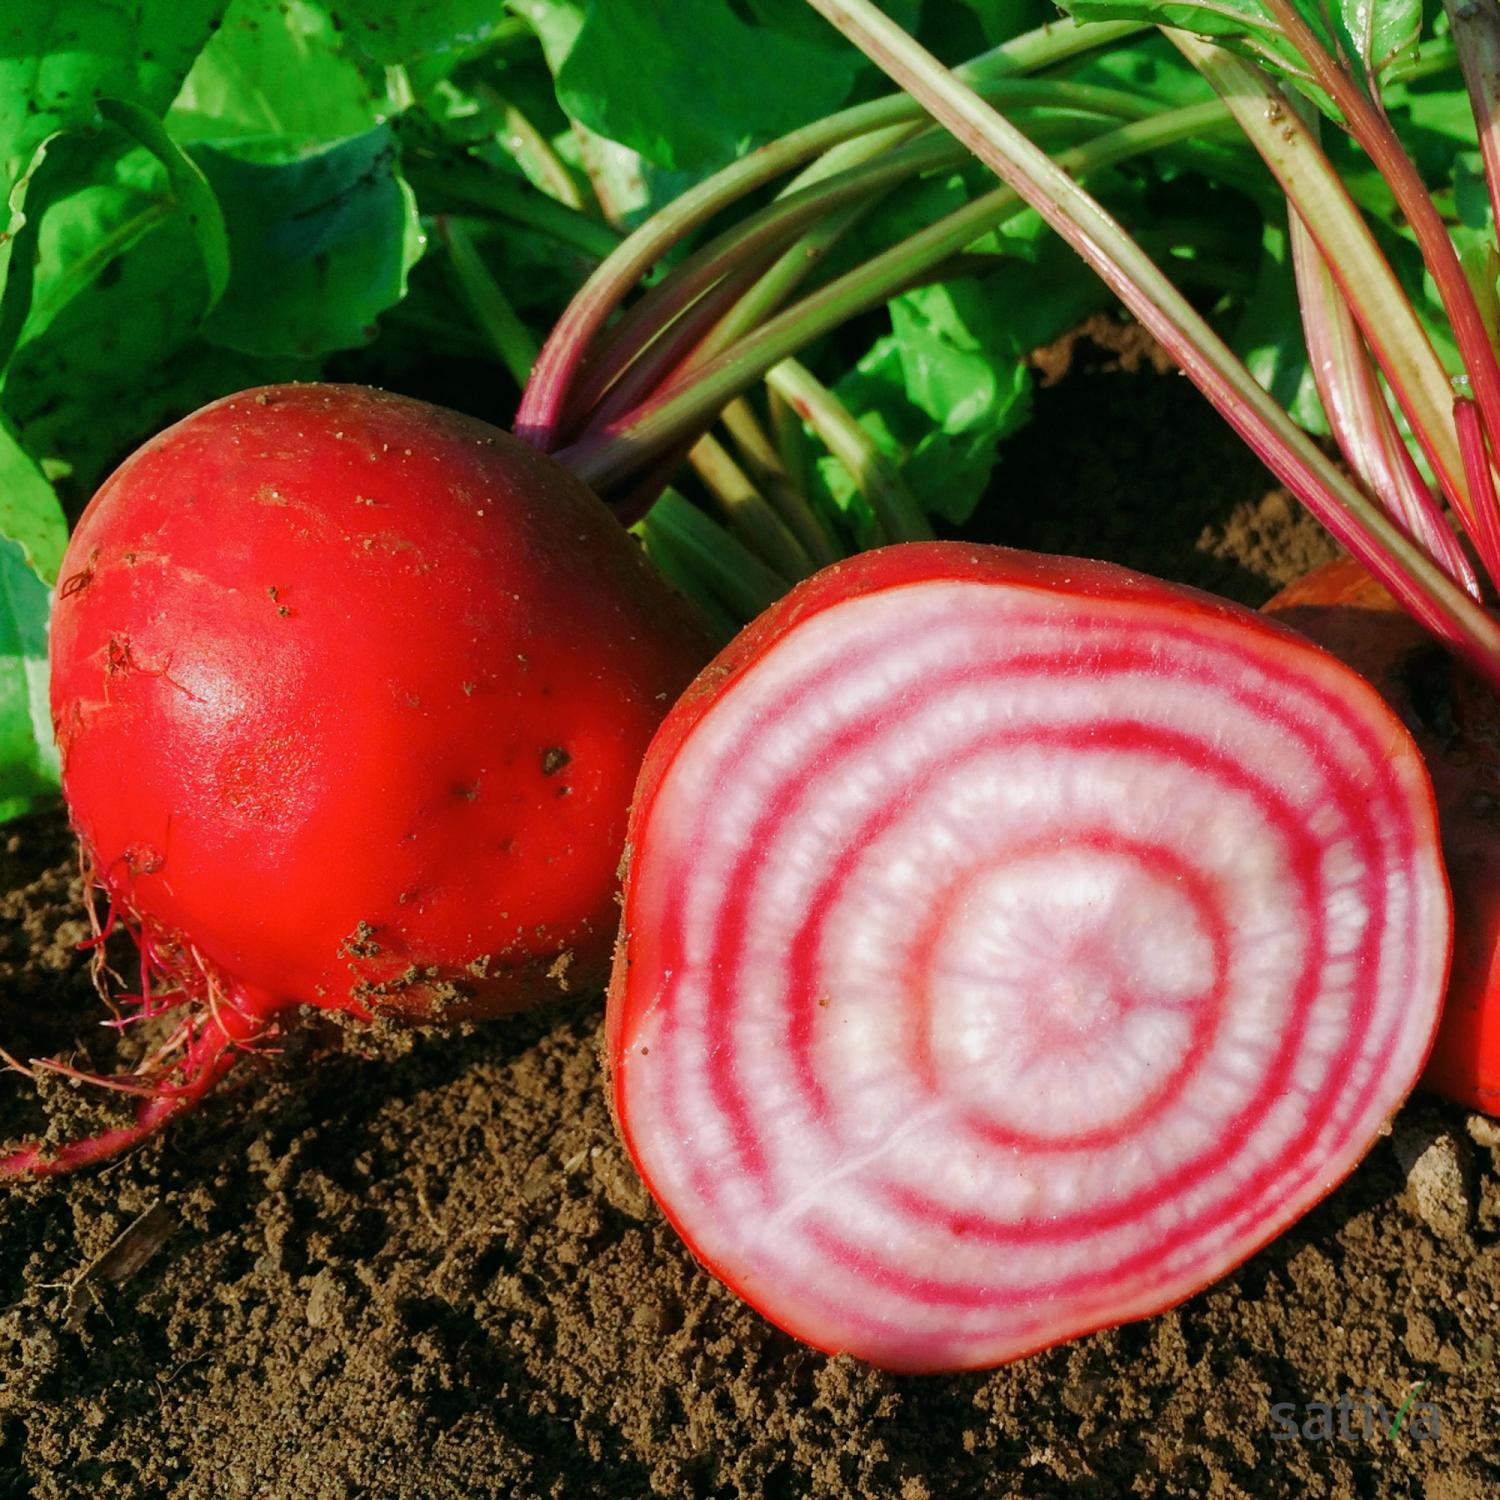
[[350, 693]]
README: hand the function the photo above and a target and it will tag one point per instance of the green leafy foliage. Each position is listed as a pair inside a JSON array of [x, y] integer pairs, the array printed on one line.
[[28, 759], [275, 80], [189, 188], [59, 57], [945, 459], [1374, 35], [998, 20], [1269, 335], [744, 82], [320, 246], [30, 517], [202, 195], [950, 381], [122, 358], [45, 178], [394, 31]]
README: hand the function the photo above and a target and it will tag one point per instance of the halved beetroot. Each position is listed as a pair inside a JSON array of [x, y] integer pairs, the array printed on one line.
[[1012, 945]]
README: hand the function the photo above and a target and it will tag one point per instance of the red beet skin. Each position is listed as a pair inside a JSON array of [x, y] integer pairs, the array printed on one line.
[[351, 692], [1011, 946], [1456, 721]]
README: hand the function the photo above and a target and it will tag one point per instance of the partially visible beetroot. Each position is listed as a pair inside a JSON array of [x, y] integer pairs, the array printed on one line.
[[1455, 719], [351, 692]]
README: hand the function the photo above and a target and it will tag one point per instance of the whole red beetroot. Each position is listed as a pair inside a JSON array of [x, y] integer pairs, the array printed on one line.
[[350, 693]]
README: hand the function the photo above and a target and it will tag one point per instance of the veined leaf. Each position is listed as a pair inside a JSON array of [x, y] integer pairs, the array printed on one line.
[[733, 83], [950, 381], [1377, 32], [112, 350], [275, 82], [30, 516], [1373, 34], [396, 31], [189, 186], [28, 757], [100, 213], [320, 246], [58, 56], [45, 177]]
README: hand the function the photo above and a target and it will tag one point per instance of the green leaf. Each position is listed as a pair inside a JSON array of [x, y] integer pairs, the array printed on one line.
[[1148, 65], [275, 81], [30, 516], [1374, 34], [947, 471], [58, 57], [28, 757], [951, 381], [33, 535], [320, 247], [1269, 336], [959, 368], [1025, 303], [98, 212], [121, 354], [394, 31], [134, 310], [1240, 23], [46, 177], [1377, 32], [189, 187], [733, 83], [87, 199], [956, 30], [1471, 196], [940, 392], [556, 23], [1000, 20]]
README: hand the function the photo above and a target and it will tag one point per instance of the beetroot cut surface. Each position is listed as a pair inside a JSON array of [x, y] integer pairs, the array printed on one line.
[[1013, 945]]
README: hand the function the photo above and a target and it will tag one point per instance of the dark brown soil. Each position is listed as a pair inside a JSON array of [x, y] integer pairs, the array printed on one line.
[[428, 1270]]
